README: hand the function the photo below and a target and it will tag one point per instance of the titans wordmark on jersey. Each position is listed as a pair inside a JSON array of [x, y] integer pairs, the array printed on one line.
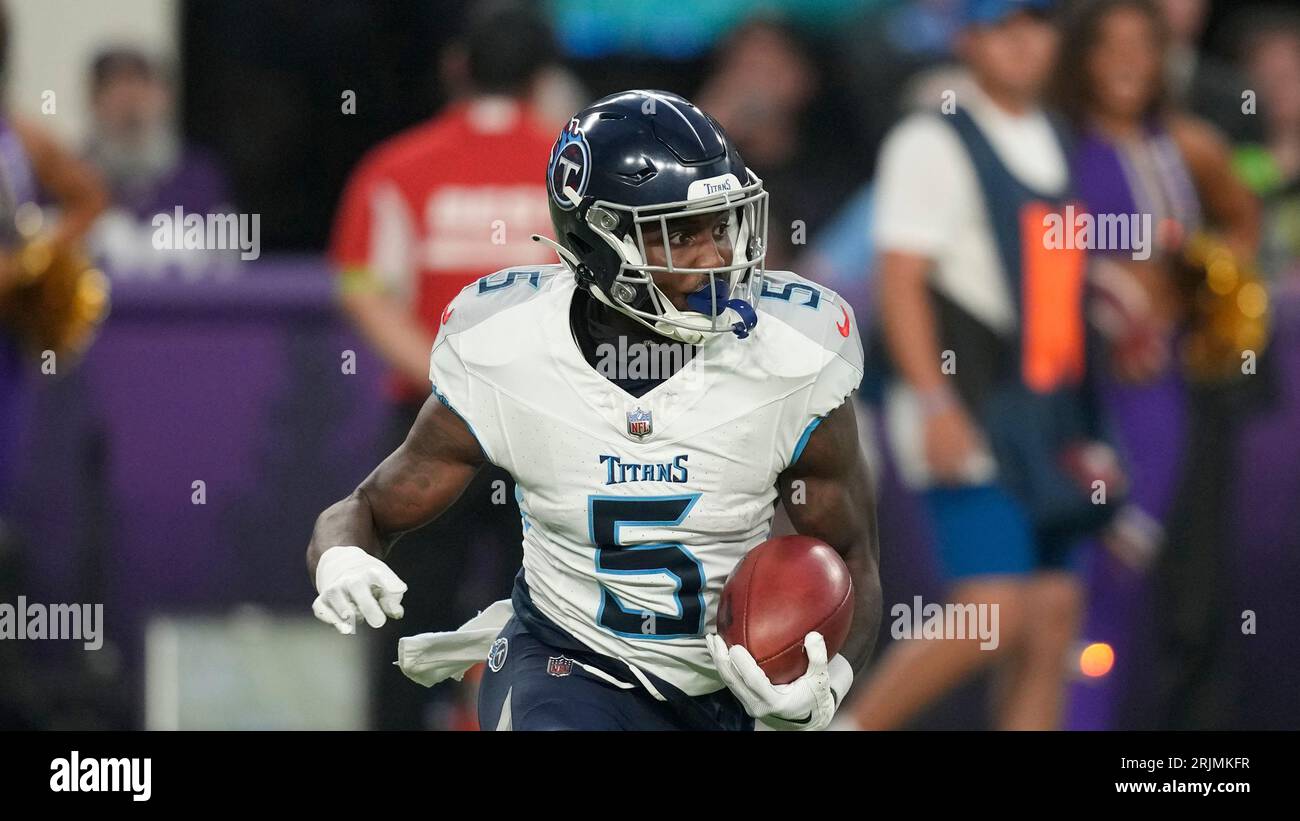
[[636, 510]]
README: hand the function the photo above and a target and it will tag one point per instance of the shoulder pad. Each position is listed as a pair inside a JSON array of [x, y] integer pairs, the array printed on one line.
[[815, 311], [495, 293]]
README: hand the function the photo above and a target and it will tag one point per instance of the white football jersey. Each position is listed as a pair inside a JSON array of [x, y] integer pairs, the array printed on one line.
[[636, 509]]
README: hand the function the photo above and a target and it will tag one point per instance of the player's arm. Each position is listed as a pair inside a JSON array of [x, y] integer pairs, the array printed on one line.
[[834, 502], [827, 494], [411, 487]]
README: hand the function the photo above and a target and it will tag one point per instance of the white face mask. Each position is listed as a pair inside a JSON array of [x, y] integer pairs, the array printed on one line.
[[725, 304]]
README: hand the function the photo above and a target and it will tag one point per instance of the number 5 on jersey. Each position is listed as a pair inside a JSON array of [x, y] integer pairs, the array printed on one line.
[[606, 515]]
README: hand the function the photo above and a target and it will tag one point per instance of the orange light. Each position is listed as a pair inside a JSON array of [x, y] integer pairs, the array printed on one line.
[[1096, 659]]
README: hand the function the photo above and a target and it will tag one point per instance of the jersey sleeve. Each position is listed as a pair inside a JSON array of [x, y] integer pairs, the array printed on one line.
[[456, 386], [472, 339], [842, 373], [838, 377]]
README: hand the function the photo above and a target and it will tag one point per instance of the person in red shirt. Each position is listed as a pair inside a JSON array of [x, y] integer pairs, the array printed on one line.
[[424, 214], [436, 207]]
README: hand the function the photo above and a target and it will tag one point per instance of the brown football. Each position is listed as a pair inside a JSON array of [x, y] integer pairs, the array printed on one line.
[[782, 590]]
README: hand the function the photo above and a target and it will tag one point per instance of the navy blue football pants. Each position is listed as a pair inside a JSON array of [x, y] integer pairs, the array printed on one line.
[[531, 685]]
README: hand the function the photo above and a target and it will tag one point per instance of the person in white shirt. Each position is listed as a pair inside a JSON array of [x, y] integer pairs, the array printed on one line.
[[952, 315]]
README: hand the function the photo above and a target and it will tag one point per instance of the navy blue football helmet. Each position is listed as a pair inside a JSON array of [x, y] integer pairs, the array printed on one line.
[[642, 159]]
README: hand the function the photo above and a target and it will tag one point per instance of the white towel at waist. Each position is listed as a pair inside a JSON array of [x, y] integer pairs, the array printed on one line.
[[433, 657]]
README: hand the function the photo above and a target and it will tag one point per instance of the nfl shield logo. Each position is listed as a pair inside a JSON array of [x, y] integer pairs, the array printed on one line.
[[638, 422], [559, 666]]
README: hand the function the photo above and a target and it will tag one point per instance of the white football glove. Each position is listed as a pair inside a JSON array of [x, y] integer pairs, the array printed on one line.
[[807, 703], [353, 583]]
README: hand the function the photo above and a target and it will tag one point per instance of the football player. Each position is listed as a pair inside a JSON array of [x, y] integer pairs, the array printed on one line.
[[640, 488]]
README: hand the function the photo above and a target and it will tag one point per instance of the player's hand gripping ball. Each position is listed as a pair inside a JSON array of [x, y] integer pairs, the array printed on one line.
[[780, 592], [784, 612]]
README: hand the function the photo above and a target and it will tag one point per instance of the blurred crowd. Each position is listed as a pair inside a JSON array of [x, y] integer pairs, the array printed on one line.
[[898, 142]]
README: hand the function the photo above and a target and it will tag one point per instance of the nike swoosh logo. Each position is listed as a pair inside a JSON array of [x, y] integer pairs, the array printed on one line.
[[843, 327], [446, 315]]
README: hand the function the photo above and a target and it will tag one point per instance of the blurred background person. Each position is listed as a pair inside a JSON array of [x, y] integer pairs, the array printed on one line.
[[35, 169], [553, 93], [884, 50], [964, 279], [1269, 47], [426, 213], [1204, 84], [765, 89], [148, 167], [1136, 152]]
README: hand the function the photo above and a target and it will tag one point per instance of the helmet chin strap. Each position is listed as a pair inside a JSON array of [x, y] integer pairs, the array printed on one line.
[[676, 332]]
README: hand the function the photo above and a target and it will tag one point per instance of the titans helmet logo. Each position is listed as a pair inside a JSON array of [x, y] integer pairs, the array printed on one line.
[[570, 165], [497, 655]]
